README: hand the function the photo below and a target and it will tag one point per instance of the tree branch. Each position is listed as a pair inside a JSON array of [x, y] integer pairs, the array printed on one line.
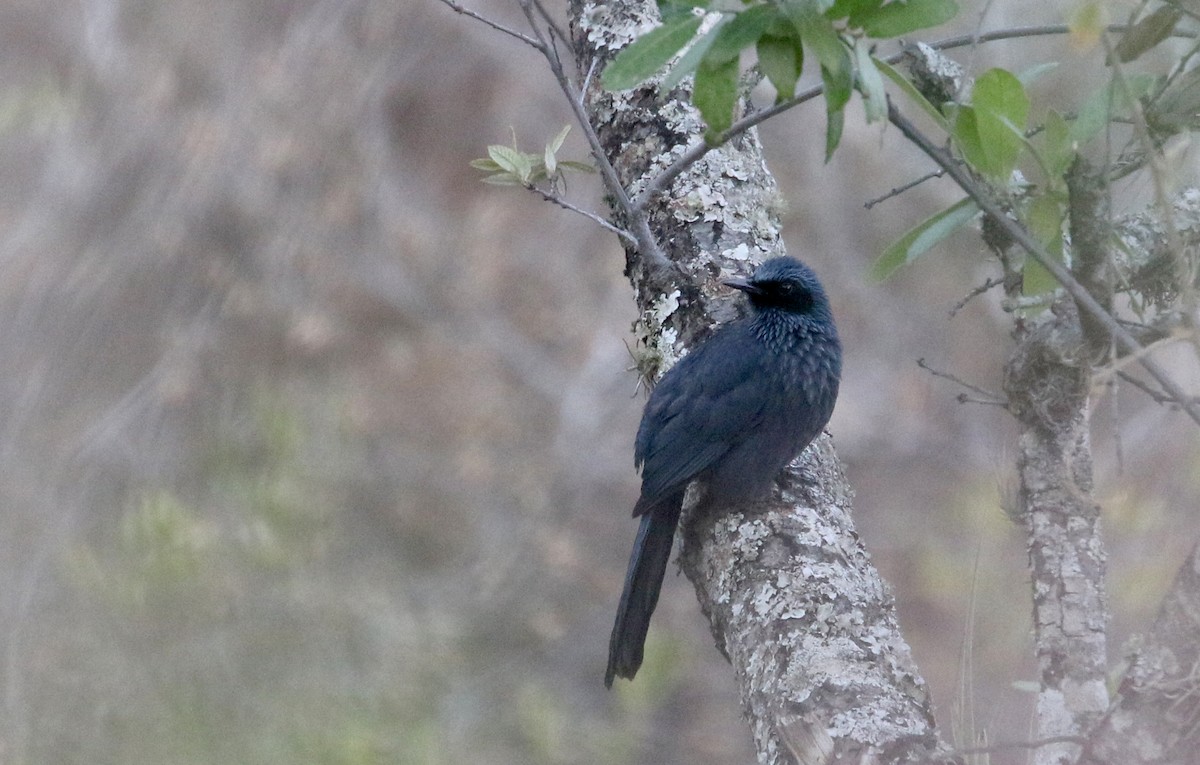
[[1022, 237], [626, 237], [1048, 383], [494, 25], [989, 397], [639, 228], [700, 148], [647, 244], [791, 595], [1155, 716]]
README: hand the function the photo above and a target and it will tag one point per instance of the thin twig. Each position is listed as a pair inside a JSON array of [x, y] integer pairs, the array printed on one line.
[[965, 398], [642, 236], [647, 245], [901, 189], [974, 293], [587, 81], [1158, 396], [701, 147], [494, 25], [960, 41], [991, 398], [697, 150], [551, 22], [1019, 234], [550, 196], [1023, 745]]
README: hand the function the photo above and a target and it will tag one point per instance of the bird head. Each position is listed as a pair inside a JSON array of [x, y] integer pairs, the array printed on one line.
[[783, 283]]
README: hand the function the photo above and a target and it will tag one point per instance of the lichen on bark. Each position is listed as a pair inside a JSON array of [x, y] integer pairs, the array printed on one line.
[[791, 595]]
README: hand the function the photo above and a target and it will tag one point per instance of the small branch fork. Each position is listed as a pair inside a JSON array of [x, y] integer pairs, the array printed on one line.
[[550, 196], [459, 9], [700, 148], [1021, 236], [904, 187], [635, 209], [988, 284], [989, 398], [544, 43]]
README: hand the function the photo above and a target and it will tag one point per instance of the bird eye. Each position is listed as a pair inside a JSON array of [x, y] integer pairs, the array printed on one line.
[[787, 288]]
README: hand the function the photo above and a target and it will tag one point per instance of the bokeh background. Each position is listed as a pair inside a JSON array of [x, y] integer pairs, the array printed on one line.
[[313, 448]]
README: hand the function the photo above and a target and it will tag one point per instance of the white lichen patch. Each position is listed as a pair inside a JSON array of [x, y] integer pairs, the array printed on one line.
[[604, 30], [736, 173], [663, 307], [741, 252], [659, 337]]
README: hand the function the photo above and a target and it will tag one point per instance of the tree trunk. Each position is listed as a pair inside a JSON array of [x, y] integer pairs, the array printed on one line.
[[1155, 718], [793, 600], [1047, 382]]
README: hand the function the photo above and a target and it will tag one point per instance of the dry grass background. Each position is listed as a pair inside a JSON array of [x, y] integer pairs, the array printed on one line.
[[315, 449]]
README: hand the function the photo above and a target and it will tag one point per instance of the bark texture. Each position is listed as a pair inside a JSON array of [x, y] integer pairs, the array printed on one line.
[[809, 625], [1048, 381], [1155, 717], [793, 600]]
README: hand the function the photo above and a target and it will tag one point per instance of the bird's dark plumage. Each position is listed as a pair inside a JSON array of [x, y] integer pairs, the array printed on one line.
[[732, 412]]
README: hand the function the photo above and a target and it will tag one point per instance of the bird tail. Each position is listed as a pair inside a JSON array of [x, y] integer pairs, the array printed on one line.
[[643, 581]]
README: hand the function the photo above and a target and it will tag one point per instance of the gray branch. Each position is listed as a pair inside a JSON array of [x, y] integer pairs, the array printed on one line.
[[1048, 380], [793, 600], [1155, 717]]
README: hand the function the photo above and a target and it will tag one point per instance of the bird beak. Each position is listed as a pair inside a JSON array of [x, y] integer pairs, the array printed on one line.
[[738, 283]]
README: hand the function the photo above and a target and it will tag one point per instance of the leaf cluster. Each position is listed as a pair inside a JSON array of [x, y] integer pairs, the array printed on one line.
[[992, 133], [835, 34], [509, 166]]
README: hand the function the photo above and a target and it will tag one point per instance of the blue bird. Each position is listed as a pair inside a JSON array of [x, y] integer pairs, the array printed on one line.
[[731, 413]]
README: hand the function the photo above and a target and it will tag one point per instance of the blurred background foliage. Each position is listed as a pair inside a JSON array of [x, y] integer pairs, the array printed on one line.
[[315, 449]]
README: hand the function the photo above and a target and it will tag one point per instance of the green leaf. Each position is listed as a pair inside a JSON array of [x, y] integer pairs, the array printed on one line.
[[1108, 102], [819, 34], [835, 122], [670, 8], [1086, 23], [1147, 33], [582, 167], [1058, 149], [742, 31], [922, 237], [1000, 93], [1178, 107], [824, 42], [557, 142], [870, 83], [486, 165], [838, 80], [899, 18], [913, 94], [548, 156], [1044, 218], [781, 59], [838, 85], [516, 162], [1036, 72], [715, 95], [646, 55], [1035, 279], [691, 58], [965, 132], [503, 179], [991, 130], [852, 9]]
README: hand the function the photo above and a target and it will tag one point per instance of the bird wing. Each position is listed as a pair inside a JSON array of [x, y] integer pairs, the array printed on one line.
[[699, 410]]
